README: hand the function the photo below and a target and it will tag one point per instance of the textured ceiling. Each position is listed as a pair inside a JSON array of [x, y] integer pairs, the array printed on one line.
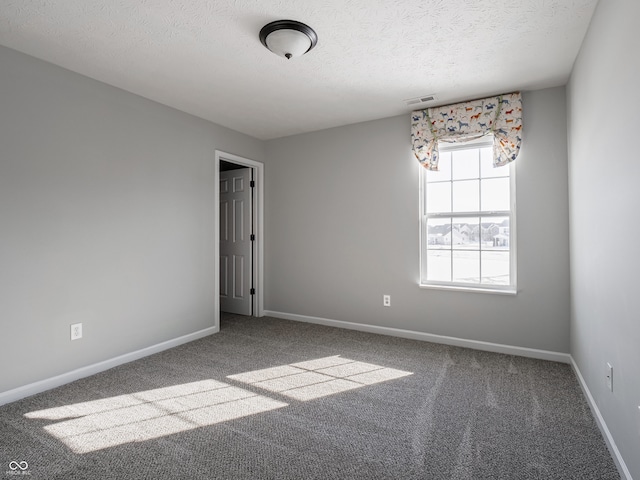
[[204, 56]]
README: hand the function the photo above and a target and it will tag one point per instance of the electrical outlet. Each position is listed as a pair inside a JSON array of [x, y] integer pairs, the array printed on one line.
[[610, 377], [76, 331], [386, 300]]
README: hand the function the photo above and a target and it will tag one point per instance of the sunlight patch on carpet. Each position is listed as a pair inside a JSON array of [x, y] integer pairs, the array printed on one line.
[[318, 378], [145, 415]]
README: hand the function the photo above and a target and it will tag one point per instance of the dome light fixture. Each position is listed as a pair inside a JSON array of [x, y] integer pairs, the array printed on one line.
[[288, 38]]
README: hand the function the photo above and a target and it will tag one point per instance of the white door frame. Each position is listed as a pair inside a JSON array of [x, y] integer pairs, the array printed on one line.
[[258, 219]]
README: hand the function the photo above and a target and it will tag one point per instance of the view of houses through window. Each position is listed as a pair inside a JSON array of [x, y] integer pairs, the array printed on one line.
[[467, 213]]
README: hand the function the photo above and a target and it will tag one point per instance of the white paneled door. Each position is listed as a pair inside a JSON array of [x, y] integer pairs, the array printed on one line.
[[235, 241]]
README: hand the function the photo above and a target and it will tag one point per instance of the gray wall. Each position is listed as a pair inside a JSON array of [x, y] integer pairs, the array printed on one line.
[[342, 230], [106, 218], [603, 105]]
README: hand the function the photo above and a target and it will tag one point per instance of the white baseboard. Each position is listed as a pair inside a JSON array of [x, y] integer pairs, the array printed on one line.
[[608, 438], [53, 382], [429, 337]]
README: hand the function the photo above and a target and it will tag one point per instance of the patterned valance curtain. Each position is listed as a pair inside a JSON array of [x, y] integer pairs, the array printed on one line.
[[462, 122]]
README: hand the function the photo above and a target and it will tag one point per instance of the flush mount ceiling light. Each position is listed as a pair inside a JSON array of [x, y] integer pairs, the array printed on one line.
[[288, 38]]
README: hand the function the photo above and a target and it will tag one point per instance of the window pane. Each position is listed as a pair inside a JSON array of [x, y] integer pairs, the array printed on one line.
[[438, 230], [439, 197], [495, 233], [423, 249], [495, 268], [465, 233], [486, 165], [466, 267], [465, 164], [495, 194], [459, 245], [439, 265], [444, 169], [466, 196]]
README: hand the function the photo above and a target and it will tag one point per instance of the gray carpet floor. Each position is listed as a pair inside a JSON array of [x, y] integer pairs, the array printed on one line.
[[274, 399]]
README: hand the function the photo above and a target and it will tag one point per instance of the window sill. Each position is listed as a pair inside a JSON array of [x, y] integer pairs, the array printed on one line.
[[458, 288]]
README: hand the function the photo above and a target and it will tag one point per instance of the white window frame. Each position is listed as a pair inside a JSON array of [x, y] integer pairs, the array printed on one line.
[[472, 287]]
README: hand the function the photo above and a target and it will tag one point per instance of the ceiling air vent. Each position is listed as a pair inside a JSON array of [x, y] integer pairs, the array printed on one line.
[[418, 100]]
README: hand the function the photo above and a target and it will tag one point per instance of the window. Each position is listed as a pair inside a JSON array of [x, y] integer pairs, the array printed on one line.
[[467, 212]]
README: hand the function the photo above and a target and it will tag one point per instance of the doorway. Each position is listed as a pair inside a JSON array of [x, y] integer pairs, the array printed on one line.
[[236, 238], [239, 233]]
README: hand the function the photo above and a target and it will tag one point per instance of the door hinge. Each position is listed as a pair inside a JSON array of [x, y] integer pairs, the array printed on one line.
[[252, 237], [252, 183], [252, 291]]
